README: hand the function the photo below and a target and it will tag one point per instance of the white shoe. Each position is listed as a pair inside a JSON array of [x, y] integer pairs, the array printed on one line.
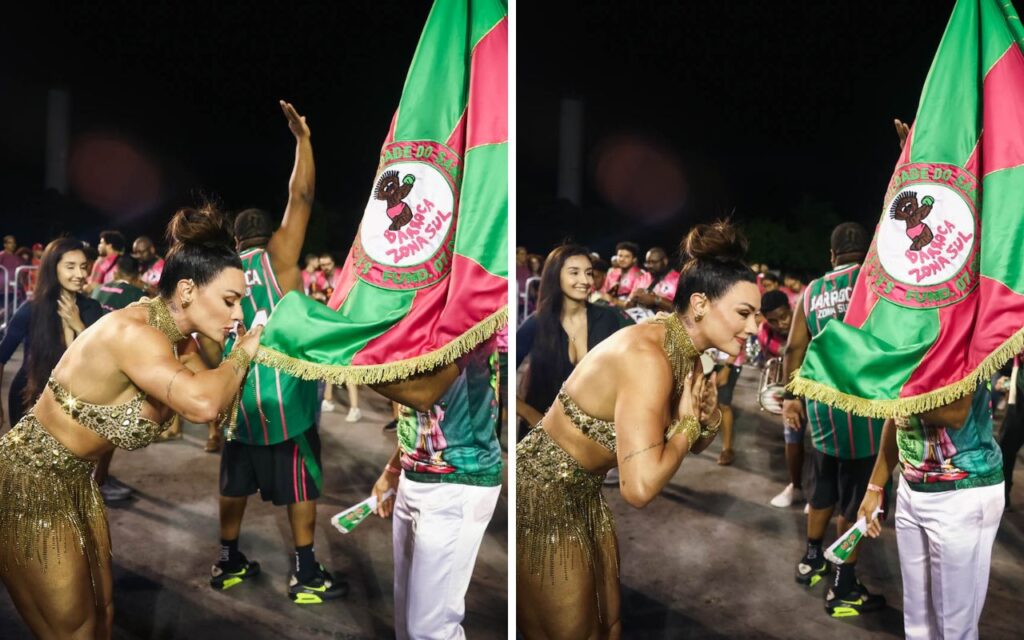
[[327, 405], [354, 415], [611, 479], [785, 498], [807, 508]]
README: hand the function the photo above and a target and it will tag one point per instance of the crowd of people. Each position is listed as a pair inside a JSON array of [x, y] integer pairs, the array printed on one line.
[[151, 340], [590, 324]]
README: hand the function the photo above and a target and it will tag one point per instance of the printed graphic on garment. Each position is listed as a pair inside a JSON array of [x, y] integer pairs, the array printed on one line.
[[423, 442], [927, 453], [925, 252]]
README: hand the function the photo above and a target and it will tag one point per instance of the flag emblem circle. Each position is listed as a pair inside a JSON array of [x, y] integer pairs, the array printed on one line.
[[926, 248], [406, 238]]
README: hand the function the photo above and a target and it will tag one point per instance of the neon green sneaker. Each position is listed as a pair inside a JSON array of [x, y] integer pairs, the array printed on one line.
[[811, 572], [223, 578], [322, 587], [854, 603]]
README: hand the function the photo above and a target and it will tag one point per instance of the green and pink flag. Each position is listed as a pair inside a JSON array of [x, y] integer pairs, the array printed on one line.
[[426, 279], [940, 302]]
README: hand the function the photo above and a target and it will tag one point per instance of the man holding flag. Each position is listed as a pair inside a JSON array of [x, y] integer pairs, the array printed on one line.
[[423, 290], [938, 308]]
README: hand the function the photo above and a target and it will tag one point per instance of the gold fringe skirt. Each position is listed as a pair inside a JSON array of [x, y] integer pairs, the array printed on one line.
[[561, 516], [48, 499]]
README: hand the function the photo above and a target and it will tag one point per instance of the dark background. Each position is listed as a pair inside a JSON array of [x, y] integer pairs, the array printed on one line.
[[186, 95], [781, 112]]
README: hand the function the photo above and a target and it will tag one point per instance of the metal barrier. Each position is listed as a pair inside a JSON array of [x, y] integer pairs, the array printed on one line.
[[8, 312], [11, 300], [524, 298]]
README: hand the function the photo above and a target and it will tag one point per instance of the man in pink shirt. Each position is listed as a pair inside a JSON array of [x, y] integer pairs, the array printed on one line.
[[151, 264], [624, 277], [656, 288], [110, 248]]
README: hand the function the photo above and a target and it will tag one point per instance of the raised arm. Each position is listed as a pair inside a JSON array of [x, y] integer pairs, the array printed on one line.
[[646, 461], [285, 246], [147, 360]]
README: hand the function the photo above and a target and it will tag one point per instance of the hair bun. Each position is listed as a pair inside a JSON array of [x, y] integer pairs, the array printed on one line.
[[720, 241], [203, 226]]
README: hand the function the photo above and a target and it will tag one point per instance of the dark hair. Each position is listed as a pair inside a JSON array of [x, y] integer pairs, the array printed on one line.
[[128, 265], [311, 256], [850, 237], [547, 363], [600, 264], [201, 247], [253, 223], [46, 333], [773, 300], [714, 262], [631, 247], [770, 275], [91, 254], [115, 239], [327, 254]]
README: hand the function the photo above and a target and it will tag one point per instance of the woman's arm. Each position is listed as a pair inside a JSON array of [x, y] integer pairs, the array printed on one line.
[[527, 412], [646, 461], [147, 360]]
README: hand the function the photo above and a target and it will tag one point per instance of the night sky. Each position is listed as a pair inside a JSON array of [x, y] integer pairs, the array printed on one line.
[[186, 95], [770, 105]]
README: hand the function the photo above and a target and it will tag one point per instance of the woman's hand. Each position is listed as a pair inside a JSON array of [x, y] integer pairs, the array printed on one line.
[[249, 340], [388, 481], [709, 399], [296, 123], [67, 309], [693, 394]]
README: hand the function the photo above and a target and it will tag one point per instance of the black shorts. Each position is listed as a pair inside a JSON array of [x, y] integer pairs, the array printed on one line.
[[725, 391], [840, 483], [285, 473]]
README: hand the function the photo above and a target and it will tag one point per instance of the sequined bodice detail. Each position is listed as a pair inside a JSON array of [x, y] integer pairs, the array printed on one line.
[[600, 431], [122, 424]]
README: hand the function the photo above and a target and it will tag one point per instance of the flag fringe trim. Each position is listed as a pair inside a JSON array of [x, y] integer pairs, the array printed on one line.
[[911, 405], [390, 371]]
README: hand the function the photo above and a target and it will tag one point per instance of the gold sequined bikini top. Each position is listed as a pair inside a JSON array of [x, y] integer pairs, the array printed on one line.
[[600, 431], [680, 352], [122, 424]]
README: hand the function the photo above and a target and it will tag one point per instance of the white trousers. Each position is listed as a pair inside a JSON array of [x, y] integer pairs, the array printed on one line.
[[945, 548], [437, 532]]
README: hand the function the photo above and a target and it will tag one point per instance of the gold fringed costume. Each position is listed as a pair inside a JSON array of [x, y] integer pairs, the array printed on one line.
[[562, 518], [48, 497]]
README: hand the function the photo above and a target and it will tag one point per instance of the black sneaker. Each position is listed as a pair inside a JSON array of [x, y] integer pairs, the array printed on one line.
[[854, 603], [391, 426], [224, 577], [322, 587], [811, 572]]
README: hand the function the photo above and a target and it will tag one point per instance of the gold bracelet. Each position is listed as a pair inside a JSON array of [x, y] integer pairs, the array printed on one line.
[[688, 426], [712, 429], [241, 356]]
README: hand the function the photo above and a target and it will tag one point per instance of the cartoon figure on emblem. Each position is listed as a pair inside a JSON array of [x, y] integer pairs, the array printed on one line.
[[906, 208], [394, 192]]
